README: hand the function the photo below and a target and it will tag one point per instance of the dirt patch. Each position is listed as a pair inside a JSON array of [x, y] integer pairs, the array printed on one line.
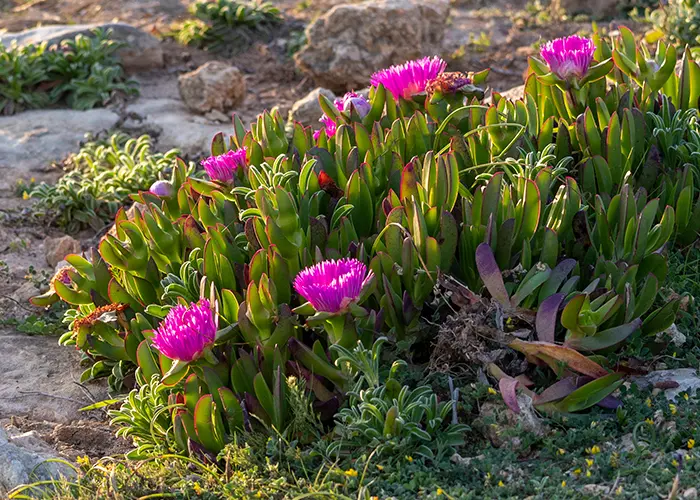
[[92, 438]]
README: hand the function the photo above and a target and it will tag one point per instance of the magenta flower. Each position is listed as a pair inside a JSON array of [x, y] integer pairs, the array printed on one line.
[[406, 80], [186, 331], [332, 285], [223, 167], [570, 56], [161, 188], [344, 104]]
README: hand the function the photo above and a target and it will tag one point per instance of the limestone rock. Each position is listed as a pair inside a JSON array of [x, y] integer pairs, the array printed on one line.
[[142, 50], [673, 382], [57, 248], [23, 460], [213, 86], [174, 127], [32, 140], [351, 41], [307, 110]]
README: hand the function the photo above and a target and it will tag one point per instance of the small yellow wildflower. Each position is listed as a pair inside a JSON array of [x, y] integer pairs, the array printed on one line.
[[673, 408], [83, 460], [32, 180], [198, 489], [351, 473], [500, 484], [594, 423], [409, 458], [618, 491], [648, 402], [691, 444], [561, 451], [380, 467], [374, 498], [674, 462], [25, 196], [577, 472], [595, 449], [492, 391], [649, 421], [589, 462], [563, 484], [686, 397], [439, 492], [588, 473]]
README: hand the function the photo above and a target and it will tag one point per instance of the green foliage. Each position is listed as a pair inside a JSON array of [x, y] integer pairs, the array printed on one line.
[[100, 179], [679, 20], [83, 73], [557, 210], [226, 25]]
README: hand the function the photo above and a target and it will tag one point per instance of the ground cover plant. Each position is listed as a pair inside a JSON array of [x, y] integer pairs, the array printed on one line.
[[81, 73], [99, 180], [281, 304], [226, 25]]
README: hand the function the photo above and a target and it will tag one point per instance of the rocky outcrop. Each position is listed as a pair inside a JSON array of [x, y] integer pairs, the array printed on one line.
[[351, 41]]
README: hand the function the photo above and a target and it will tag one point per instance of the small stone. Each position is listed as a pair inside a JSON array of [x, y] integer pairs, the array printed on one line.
[[690, 493], [307, 110], [217, 116], [596, 8], [213, 86], [686, 381], [57, 249]]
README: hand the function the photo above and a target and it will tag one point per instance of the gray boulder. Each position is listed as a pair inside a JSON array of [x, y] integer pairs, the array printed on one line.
[[351, 41], [307, 110], [32, 140], [143, 51]]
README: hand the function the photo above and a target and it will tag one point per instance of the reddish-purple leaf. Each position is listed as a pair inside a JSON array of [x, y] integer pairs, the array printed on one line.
[[491, 274], [558, 390], [610, 403], [508, 385], [546, 319]]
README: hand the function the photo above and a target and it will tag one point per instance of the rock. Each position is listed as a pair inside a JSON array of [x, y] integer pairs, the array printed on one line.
[[213, 86], [57, 248], [174, 126], [596, 8], [32, 140], [142, 50], [38, 377], [307, 110], [690, 493], [683, 379], [217, 116], [23, 460], [351, 41], [515, 93]]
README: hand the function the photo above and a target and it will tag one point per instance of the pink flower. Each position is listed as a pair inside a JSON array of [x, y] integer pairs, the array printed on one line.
[[161, 188], [570, 56], [223, 167], [332, 285], [344, 104], [406, 80], [186, 331]]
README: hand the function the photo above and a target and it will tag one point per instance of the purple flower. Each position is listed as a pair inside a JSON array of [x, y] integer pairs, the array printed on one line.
[[410, 78], [186, 331], [332, 285], [344, 104], [161, 188], [352, 100], [223, 167], [570, 56]]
